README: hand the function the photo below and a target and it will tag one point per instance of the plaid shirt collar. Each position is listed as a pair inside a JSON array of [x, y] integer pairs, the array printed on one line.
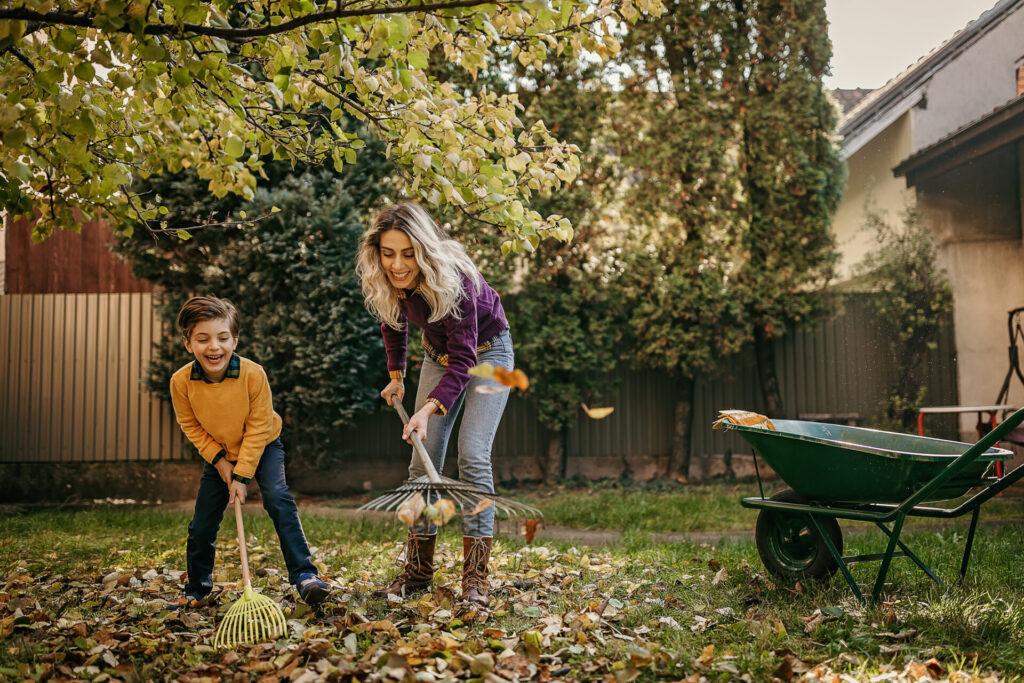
[[234, 366], [405, 293]]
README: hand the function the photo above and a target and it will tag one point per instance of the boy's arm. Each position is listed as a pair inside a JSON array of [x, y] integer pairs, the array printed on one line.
[[208, 447], [258, 425]]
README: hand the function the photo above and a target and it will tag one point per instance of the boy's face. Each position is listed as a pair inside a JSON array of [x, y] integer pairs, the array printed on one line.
[[211, 343]]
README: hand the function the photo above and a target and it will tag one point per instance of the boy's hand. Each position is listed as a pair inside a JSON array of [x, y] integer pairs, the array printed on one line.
[[237, 490], [394, 387], [418, 422], [224, 469]]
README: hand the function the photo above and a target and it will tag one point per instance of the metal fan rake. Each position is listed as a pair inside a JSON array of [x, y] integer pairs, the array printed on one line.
[[433, 486]]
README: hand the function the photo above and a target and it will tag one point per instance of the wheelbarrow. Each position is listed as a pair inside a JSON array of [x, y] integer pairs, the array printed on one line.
[[841, 472]]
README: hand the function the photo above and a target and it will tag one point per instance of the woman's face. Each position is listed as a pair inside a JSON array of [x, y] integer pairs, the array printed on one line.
[[398, 259]]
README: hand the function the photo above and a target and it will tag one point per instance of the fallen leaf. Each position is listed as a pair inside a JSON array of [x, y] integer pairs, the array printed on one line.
[[597, 413], [721, 576], [707, 655]]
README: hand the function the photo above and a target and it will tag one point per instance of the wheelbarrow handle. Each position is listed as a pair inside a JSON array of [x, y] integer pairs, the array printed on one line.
[[417, 443]]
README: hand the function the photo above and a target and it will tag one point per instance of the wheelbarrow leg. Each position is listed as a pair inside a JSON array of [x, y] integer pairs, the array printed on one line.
[[838, 558], [907, 553], [969, 545], [897, 527]]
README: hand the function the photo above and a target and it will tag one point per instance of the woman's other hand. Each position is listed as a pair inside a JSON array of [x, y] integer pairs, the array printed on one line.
[[395, 387], [418, 422]]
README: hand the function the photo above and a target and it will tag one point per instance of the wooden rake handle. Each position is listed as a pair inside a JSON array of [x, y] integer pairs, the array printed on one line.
[[241, 543], [417, 444]]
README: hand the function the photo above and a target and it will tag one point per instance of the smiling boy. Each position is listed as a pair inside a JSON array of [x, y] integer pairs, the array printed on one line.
[[224, 406]]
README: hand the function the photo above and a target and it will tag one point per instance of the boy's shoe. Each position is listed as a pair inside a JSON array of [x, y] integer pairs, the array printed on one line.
[[193, 600], [312, 590]]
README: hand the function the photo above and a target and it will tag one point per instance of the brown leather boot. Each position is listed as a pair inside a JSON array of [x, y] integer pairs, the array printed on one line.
[[476, 551], [418, 572]]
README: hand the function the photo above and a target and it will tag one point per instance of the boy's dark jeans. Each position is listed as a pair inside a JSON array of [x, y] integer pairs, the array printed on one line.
[[211, 501]]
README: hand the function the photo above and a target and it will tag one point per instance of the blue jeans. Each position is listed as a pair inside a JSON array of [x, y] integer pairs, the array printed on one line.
[[476, 435], [277, 501]]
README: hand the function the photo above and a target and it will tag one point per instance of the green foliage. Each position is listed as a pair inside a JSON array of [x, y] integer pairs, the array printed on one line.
[[912, 298], [95, 93], [291, 277]]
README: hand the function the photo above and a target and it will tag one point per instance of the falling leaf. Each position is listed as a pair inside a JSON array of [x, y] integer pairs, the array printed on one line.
[[411, 509], [489, 389], [597, 413], [515, 379], [529, 528], [484, 371], [446, 510], [481, 506]]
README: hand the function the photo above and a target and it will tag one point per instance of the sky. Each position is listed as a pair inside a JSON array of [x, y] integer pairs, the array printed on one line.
[[874, 40]]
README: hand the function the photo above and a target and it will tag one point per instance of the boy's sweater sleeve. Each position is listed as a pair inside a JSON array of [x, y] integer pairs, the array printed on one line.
[[206, 445], [258, 424]]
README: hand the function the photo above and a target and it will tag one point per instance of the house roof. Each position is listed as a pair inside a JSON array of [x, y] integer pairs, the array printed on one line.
[[1002, 127], [882, 106], [849, 97]]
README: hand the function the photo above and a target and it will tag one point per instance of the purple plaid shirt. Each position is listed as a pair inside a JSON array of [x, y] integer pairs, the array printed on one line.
[[453, 342]]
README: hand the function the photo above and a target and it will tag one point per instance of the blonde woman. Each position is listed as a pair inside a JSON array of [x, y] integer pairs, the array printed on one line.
[[412, 271]]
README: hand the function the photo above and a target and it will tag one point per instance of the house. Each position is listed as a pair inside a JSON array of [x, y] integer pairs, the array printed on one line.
[[947, 135]]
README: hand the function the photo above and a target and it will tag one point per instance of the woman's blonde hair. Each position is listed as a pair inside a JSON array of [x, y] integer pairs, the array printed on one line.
[[441, 259]]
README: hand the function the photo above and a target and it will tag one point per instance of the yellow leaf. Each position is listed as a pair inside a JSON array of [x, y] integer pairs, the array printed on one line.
[[445, 509], [481, 506], [707, 655], [597, 413], [484, 370], [515, 379]]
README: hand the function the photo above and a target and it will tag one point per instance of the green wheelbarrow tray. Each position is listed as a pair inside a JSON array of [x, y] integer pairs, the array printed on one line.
[[839, 472], [836, 463]]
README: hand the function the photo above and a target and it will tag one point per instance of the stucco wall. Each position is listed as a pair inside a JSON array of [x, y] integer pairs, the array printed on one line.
[[978, 80], [870, 183], [975, 213]]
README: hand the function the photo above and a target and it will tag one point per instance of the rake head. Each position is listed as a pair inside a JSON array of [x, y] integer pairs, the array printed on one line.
[[252, 619], [465, 496]]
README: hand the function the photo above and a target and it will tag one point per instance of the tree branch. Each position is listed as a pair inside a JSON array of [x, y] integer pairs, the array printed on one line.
[[63, 18]]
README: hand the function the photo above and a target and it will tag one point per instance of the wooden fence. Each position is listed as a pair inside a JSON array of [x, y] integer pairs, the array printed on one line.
[[71, 371]]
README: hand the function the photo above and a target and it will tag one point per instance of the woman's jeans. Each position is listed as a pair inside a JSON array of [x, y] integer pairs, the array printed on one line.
[[476, 434], [278, 502]]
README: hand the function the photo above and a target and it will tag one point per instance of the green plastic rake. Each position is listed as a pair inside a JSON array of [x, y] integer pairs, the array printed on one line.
[[254, 617]]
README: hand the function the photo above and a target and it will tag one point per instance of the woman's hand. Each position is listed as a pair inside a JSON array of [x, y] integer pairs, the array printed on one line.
[[418, 422], [395, 387]]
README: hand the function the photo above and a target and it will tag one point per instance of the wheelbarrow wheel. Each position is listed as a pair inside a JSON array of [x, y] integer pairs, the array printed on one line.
[[790, 546]]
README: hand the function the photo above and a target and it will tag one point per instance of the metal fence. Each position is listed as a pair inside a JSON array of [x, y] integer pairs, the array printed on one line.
[[71, 368]]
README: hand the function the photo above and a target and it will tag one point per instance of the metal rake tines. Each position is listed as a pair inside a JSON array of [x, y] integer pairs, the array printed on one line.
[[465, 496], [253, 619]]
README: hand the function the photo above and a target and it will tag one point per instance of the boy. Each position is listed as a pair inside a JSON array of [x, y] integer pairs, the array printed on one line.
[[223, 404]]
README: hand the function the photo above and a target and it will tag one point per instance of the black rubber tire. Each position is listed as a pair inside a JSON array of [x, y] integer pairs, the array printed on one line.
[[790, 546]]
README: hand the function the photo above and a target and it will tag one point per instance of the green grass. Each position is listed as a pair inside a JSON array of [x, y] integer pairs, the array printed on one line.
[[665, 603]]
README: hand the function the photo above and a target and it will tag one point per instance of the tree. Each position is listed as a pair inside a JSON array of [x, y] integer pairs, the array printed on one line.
[[911, 296], [291, 278], [791, 170], [97, 93]]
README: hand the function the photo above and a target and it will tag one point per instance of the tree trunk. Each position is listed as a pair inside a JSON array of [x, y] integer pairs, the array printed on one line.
[[554, 465], [679, 459], [764, 350]]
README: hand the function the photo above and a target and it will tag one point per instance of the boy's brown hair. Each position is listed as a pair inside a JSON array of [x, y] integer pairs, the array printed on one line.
[[200, 308]]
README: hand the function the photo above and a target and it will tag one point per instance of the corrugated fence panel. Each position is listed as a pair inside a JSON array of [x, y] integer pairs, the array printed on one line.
[[72, 375]]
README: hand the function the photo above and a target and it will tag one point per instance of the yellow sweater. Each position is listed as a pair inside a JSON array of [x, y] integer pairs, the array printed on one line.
[[236, 415]]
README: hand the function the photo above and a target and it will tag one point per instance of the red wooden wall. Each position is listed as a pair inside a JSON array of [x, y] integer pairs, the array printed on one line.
[[66, 263]]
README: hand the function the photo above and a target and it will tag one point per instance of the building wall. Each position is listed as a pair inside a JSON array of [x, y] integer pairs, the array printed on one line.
[[975, 213], [871, 183], [982, 77]]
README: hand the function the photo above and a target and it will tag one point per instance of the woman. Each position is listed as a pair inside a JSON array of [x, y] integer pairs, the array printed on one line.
[[412, 271]]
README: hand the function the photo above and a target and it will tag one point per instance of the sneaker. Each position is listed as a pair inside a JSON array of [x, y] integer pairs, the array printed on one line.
[[312, 590], [193, 600]]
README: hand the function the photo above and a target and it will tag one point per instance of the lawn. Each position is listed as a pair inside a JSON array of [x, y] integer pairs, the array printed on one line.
[[89, 593]]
